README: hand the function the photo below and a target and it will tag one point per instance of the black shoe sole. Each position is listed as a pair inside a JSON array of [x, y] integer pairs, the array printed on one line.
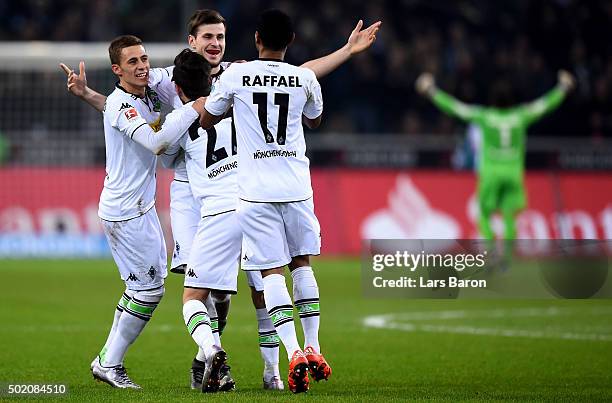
[[300, 377], [210, 383], [318, 373], [227, 386]]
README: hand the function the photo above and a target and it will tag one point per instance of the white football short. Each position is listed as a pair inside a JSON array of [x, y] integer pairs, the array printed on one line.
[[139, 250], [184, 219], [215, 255], [254, 279], [273, 233]]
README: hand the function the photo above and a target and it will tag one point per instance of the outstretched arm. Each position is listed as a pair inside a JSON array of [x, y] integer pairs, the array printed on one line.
[[176, 124], [426, 86], [77, 85], [550, 101], [358, 41]]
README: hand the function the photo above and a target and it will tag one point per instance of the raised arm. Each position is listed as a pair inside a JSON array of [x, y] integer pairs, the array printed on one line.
[[77, 85], [426, 86], [550, 101], [358, 41]]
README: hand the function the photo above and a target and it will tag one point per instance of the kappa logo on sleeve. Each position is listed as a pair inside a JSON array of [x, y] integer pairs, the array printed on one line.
[[131, 114]]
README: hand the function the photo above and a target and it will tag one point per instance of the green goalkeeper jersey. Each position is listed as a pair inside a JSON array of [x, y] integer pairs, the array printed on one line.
[[503, 130]]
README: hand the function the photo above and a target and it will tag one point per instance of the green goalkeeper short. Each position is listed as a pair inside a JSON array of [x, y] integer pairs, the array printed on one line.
[[506, 193]]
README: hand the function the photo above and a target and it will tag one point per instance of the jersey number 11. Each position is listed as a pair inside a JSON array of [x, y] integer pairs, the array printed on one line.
[[282, 100]]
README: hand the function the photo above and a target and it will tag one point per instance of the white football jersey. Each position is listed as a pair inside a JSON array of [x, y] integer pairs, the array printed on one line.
[[129, 186], [269, 98], [160, 79], [212, 166]]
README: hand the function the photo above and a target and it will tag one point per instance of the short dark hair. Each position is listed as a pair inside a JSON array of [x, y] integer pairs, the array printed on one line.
[[192, 74], [502, 94], [275, 29], [120, 42], [201, 17]]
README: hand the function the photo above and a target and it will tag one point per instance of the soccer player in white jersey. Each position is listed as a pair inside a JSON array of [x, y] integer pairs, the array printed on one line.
[[207, 37], [213, 265], [270, 101], [134, 137]]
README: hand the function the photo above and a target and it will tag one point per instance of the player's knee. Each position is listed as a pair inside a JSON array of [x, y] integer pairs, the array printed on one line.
[[195, 294], [258, 298], [143, 303], [220, 298], [278, 270], [129, 293], [299, 261], [152, 296]]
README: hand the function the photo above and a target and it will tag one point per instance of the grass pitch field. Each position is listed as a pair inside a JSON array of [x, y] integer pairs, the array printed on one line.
[[55, 315]]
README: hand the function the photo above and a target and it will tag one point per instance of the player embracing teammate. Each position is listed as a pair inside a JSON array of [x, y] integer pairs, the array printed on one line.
[[270, 101], [207, 37]]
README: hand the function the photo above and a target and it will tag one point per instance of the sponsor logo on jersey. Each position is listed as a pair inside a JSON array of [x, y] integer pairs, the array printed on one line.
[[274, 153], [124, 105], [224, 168], [131, 114], [132, 277]]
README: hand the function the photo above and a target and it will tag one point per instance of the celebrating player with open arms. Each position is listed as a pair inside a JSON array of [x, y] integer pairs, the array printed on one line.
[[134, 137], [207, 37], [504, 130]]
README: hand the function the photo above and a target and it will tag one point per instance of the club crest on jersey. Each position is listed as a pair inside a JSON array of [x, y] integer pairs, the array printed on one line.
[[131, 114], [154, 99]]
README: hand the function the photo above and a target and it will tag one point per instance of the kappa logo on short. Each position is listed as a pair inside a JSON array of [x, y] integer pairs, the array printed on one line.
[[131, 114], [132, 277], [152, 272], [191, 273]]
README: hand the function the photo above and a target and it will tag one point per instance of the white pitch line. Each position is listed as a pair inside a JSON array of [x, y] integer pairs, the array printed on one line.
[[409, 322]]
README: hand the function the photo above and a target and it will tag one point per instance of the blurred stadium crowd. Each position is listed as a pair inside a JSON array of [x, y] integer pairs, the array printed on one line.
[[468, 44]]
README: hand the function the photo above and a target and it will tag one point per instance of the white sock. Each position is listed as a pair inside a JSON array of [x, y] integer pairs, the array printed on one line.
[[136, 314], [198, 325], [200, 356], [268, 343], [214, 319], [278, 304], [306, 297], [123, 301]]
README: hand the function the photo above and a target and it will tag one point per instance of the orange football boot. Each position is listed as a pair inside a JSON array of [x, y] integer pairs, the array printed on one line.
[[298, 373], [319, 368]]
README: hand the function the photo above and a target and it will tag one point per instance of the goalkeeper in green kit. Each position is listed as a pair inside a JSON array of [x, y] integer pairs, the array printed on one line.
[[504, 129]]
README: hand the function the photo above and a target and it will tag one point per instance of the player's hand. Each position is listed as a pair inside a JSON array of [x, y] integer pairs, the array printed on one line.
[[360, 40], [76, 84], [566, 80], [198, 105], [425, 84]]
